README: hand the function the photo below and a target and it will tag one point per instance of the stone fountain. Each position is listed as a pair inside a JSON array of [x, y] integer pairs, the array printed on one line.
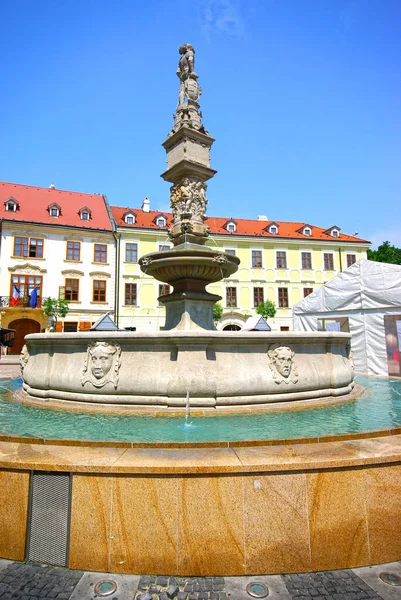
[[242, 508], [218, 369]]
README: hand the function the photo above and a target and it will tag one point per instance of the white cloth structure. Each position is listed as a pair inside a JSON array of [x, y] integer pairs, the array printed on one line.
[[363, 293]]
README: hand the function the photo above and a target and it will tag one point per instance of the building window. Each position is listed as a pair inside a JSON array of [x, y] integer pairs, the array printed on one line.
[[283, 297], [71, 290], [130, 294], [307, 291], [231, 297], [231, 227], [73, 251], [25, 285], [307, 231], [256, 258], [70, 326], [30, 247], [161, 222], [11, 206], [335, 233], [328, 262], [273, 229], [129, 219], [100, 253], [306, 258], [99, 290], [258, 297], [131, 253], [163, 247], [281, 259], [231, 252], [164, 289], [351, 259], [54, 212], [85, 214]]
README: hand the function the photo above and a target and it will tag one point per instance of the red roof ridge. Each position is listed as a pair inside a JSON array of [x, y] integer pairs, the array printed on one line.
[[48, 189]]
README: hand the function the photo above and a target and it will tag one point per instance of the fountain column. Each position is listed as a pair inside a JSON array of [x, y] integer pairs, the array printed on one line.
[[190, 265]]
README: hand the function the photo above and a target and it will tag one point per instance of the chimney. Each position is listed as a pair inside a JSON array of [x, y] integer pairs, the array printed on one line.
[[146, 205], [52, 186], [262, 218]]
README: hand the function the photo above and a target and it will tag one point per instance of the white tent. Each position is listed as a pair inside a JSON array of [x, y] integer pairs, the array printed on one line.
[[360, 296]]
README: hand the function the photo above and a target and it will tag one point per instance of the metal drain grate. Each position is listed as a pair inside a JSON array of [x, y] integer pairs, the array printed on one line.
[[49, 518]]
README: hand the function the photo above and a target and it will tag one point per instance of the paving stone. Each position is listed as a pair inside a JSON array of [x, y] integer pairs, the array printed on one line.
[[163, 581], [172, 591], [182, 595], [146, 596], [203, 596], [163, 596]]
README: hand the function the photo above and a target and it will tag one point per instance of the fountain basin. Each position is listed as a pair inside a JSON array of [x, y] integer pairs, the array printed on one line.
[[220, 370]]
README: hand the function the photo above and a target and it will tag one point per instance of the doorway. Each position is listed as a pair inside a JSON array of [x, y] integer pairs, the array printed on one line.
[[22, 328]]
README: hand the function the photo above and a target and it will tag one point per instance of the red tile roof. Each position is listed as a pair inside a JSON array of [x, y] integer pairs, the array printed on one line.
[[33, 203], [245, 227]]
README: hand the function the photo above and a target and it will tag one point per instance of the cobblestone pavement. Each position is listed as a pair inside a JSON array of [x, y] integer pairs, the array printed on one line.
[[341, 585], [28, 581], [25, 581]]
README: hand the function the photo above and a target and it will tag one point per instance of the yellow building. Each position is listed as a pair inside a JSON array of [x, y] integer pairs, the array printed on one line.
[[280, 261]]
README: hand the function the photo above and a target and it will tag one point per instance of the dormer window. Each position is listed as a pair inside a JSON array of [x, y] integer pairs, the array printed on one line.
[[307, 231], [333, 231], [54, 210], [161, 221], [85, 213], [231, 226], [272, 228], [11, 205], [129, 218]]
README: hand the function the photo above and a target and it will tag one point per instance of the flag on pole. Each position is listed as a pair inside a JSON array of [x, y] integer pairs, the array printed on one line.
[[15, 296], [33, 298]]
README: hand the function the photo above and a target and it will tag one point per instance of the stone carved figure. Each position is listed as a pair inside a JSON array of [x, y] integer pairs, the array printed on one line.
[[282, 364], [23, 358], [186, 72], [188, 197], [102, 364]]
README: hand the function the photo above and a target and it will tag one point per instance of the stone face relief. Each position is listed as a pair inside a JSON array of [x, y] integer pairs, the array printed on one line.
[[102, 364], [23, 358], [282, 364]]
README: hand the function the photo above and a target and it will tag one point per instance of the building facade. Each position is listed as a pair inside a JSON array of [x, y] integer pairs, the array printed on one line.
[[282, 262], [55, 244], [62, 244]]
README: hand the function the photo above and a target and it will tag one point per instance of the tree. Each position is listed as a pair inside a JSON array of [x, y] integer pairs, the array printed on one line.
[[267, 309], [217, 311], [54, 308], [386, 253]]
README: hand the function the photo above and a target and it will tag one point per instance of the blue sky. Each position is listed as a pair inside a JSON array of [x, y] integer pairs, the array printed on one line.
[[302, 96]]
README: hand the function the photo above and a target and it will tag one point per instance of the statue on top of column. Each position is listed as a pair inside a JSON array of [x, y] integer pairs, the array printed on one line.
[[186, 72]]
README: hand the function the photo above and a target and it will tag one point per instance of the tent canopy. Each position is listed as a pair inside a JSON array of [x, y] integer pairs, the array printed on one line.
[[363, 294]]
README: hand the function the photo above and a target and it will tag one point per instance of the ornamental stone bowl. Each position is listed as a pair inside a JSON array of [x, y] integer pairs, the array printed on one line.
[[217, 369]]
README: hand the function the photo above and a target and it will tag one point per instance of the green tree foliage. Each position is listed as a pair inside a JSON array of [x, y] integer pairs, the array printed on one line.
[[267, 309], [217, 311], [386, 253], [55, 307]]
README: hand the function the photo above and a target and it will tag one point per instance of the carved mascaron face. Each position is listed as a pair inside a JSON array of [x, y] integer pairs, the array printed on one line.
[[101, 362], [283, 361]]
